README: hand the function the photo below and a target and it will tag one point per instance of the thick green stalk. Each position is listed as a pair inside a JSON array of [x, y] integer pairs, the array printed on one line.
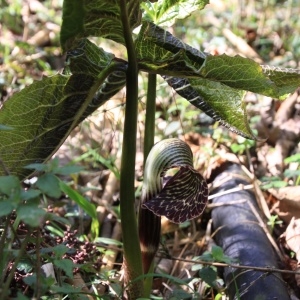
[[148, 144], [5, 291], [150, 115], [132, 253]]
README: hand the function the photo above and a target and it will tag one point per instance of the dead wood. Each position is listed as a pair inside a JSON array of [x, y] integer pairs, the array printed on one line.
[[242, 237]]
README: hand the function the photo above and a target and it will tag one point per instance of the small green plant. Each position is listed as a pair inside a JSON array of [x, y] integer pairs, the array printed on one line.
[[272, 182], [293, 173], [25, 210], [241, 145], [273, 221], [209, 273]]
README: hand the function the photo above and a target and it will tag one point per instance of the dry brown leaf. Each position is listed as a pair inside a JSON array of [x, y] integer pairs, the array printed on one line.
[[292, 237], [289, 202]]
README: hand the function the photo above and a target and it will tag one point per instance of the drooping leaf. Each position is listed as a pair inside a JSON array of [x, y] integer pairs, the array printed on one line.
[[42, 115], [100, 18], [54, 167], [166, 12], [222, 103]]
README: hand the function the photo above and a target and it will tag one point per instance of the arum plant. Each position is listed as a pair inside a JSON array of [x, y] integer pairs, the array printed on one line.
[[37, 120], [183, 197]]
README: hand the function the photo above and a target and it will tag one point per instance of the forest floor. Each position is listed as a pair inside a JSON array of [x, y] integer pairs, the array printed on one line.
[[267, 32]]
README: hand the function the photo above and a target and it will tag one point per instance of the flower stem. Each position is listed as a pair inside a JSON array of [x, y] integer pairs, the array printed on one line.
[[147, 220], [150, 115], [132, 253]]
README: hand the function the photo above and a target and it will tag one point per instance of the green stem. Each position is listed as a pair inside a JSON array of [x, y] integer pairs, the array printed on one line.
[[5, 291], [3, 247], [150, 115], [132, 253], [148, 144]]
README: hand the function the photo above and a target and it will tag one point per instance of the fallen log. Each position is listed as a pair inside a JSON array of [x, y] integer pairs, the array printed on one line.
[[239, 233]]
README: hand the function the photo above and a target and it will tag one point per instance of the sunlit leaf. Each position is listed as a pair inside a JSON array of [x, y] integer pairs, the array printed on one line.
[[160, 52], [25, 265], [215, 84], [292, 158], [286, 80], [245, 74], [108, 241], [166, 12]]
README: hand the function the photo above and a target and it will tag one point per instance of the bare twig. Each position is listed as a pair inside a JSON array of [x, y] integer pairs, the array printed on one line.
[[233, 190], [226, 265], [261, 201]]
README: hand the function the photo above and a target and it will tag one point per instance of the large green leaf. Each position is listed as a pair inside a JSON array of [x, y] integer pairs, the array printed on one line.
[[160, 52], [102, 18], [215, 84], [166, 12], [41, 116], [243, 73], [286, 80]]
